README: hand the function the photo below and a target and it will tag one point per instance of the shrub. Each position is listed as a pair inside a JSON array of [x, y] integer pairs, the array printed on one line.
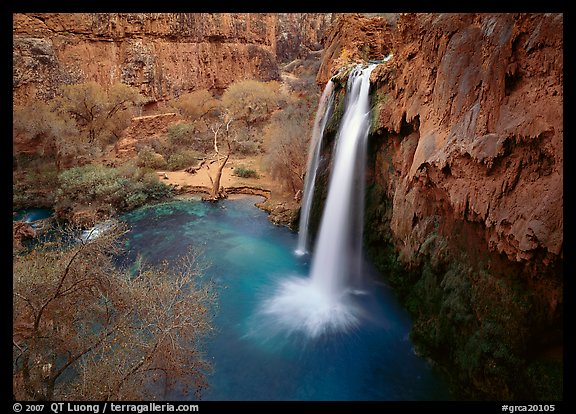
[[89, 183], [247, 147], [99, 332], [99, 114], [134, 200], [182, 159], [149, 158], [123, 189], [181, 134], [244, 172], [194, 136], [195, 105]]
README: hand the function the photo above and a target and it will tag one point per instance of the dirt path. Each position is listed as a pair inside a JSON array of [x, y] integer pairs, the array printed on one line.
[[201, 178]]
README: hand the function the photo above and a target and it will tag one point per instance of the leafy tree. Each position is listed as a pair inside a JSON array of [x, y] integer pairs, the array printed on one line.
[[183, 159], [197, 104], [193, 135], [38, 122], [100, 114], [74, 126], [84, 329], [251, 100], [43, 129]]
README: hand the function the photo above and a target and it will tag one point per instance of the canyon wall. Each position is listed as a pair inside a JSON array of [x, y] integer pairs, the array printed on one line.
[[465, 196], [161, 54], [298, 34]]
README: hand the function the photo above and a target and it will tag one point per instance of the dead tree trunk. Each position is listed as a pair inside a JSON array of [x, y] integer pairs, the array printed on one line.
[[217, 192]]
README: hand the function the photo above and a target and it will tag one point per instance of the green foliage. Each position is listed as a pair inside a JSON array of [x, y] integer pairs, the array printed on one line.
[[244, 172], [547, 379], [30, 197], [181, 134], [133, 200], [40, 173], [99, 185], [337, 113], [192, 135], [90, 183], [35, 185], [182, 159], [378, 99], [148, 158], [469, 316]]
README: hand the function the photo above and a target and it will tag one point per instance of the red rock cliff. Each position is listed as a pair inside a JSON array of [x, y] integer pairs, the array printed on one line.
[[162, 54], [485, 92], [466, 188]]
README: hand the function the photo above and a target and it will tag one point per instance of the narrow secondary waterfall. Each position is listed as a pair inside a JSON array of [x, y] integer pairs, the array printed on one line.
[[322, 115], [325, 302]]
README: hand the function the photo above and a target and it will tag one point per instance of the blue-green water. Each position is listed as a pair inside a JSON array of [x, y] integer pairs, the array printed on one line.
[[249, 257], [30, 215]]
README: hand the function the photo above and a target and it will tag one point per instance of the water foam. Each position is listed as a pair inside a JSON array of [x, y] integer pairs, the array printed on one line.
[[300, 305], [324, 303]]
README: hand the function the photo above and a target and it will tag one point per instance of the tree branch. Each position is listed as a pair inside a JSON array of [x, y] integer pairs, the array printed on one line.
[[25, 299], [57, 292], [86, 350]]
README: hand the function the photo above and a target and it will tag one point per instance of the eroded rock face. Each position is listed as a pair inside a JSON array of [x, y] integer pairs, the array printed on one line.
[[298, 34], [144, 130], [465, 210], [487, 106], [354, 37], [162, 54], [488, 100]]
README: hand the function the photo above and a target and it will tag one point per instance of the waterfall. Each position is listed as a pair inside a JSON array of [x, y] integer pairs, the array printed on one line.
[[322, 115], [95, 231], [327, 300], [338, 250]]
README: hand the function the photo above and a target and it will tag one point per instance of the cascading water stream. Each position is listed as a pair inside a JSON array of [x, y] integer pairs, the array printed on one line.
[[325, 301], [322, 115], [338, 251]]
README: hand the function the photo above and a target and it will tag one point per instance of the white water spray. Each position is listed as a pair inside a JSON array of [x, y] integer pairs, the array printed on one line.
[[322, 115], [325, 302]]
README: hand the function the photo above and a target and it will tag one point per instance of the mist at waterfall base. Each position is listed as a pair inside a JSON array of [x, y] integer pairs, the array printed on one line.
[[297, 326], [255, 360], [333, 299]]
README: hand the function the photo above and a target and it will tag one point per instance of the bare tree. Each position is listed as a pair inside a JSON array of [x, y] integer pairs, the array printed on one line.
[[288, 135], [84, 329], [221, 130]]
